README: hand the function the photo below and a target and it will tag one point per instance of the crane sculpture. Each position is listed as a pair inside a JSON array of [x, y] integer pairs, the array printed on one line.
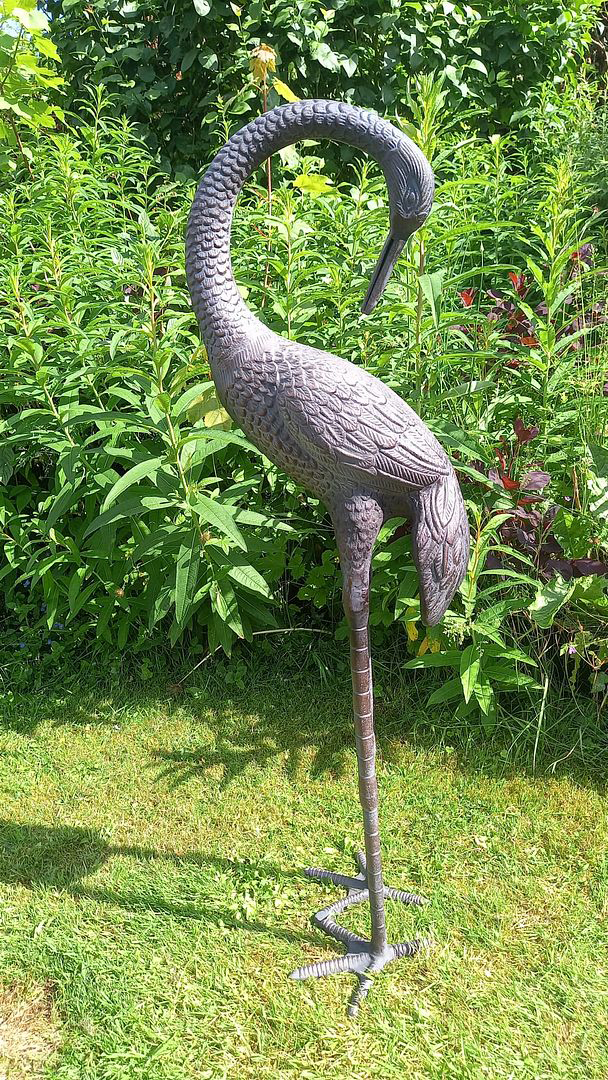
[[342, 434]]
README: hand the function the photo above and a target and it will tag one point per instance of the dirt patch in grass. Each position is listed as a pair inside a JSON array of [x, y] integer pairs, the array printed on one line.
[[28, 1033]]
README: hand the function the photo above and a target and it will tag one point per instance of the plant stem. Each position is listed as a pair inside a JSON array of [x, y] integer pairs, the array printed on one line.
[[11, 121], [419, 308], [269, 192]]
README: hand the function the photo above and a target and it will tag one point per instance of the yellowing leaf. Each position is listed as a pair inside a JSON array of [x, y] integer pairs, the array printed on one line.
[[262, 60], [423, 648], [412, 631], [314, 185], [217, 418], [283, 89], [207, 408], [34, 21]]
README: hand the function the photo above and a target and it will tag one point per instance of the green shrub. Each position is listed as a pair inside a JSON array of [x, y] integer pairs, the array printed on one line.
[[130, 508], [26, 80], [168, 64]]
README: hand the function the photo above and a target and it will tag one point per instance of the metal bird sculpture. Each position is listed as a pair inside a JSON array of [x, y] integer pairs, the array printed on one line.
[[343, 435]]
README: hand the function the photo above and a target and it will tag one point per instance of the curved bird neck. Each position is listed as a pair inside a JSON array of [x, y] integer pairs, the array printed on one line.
[[224, 319]]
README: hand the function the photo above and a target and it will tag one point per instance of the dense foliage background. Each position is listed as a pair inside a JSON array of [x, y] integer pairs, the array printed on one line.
[[132, 512], [170, 63]]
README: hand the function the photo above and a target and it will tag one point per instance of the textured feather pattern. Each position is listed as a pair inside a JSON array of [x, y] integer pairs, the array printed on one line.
[[216, 300], [329, 424], [441, 545]]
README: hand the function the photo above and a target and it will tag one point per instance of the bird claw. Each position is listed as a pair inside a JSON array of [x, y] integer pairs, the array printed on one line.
[[359, 959]]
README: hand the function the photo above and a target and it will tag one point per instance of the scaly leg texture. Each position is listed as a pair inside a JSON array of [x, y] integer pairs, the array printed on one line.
[[361, 959], [357, 525]]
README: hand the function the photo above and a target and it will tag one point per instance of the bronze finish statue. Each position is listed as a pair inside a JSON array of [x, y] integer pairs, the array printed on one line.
[[340, 433]]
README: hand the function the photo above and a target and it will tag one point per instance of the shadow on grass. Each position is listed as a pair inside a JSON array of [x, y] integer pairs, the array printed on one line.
[[308, 732], [291, 706], [59, 857]]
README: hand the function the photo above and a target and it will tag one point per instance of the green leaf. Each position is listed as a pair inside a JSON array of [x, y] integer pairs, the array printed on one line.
[[475, 386], [217, 439], [189, 396], [449, 691], [451, 658], [34, 21], [549, 598], [7, 463], [47, 47], [186, 575], [75, 586], [431, 285], [240, 571], [129, 506], [12, 106], [470, 663], [509, 654], [321, 52], [484, 695], [227, 607], [89, 414], [221, 516], [509, 677], [147, 469], [188, 59], [81, 600], [105, 613], [252, 517], [456, 438]]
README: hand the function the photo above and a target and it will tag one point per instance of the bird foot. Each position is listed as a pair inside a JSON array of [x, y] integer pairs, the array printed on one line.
[[360, 958]]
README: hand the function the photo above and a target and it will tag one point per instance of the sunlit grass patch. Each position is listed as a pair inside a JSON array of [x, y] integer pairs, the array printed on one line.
[[151, 864]]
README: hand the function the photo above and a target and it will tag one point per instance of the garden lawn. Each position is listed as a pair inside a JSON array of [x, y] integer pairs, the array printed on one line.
[[151, 892]]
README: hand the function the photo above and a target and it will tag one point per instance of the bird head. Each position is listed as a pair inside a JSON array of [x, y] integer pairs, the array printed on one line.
[[411, 185]]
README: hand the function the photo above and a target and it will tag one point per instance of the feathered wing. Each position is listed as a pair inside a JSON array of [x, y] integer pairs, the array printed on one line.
[[353, 423], [370, 436]]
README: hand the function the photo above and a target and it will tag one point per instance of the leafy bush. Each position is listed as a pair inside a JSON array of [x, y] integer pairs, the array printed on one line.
[[170, 64], [131, 508], [25, 81]]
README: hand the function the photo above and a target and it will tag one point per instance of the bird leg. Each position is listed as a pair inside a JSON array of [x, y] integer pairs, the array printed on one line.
[[356, 606], [362, 957]]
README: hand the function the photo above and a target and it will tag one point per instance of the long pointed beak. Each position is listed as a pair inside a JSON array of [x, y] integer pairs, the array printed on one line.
[[384, 268]]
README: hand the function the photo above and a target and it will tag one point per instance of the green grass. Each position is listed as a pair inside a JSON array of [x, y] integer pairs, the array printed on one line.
[[150, 876]]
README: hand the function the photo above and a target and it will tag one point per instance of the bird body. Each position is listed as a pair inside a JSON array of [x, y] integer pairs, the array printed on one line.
[[333, 427]]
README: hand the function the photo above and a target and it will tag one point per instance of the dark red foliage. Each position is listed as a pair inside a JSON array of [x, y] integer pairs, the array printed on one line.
[[508, 483], [584, 256], [528, 530], [589, 567], [519, 284], [467, 296], [522, 433], [536, 480], [519, 328]]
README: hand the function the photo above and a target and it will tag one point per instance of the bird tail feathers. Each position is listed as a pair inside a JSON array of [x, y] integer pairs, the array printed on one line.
[[441, 545]]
